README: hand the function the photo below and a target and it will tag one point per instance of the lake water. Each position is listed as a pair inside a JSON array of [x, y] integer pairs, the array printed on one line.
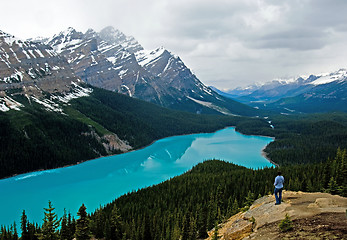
[[100, 181]]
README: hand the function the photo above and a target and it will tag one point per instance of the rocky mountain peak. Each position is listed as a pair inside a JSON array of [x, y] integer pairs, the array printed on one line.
[[65, 38], [90, 33], [8, 38], [4, 35], [112, 35]]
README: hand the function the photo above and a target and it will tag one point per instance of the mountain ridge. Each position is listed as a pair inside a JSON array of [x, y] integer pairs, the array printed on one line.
[[316, 93]]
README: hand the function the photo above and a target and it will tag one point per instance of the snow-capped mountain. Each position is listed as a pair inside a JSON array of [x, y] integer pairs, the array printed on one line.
[[322, 92], [35, 70], [113, 61]]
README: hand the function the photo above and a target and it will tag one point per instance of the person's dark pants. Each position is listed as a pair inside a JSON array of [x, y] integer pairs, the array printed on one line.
[[279, 196]]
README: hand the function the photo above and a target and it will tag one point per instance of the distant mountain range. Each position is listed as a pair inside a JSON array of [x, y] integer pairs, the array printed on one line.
[[316, 93]]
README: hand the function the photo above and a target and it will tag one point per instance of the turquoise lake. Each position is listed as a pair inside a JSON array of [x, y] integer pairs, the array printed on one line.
[[100, 181]]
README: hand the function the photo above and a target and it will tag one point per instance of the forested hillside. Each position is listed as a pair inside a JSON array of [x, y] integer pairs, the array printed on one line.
[[186, 206], [36, 138], [301, 139]]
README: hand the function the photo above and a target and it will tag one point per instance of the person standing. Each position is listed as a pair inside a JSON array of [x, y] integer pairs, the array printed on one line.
[[279, 180]]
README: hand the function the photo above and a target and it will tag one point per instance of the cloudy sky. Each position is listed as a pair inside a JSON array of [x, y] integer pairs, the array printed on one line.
[[227, 43]]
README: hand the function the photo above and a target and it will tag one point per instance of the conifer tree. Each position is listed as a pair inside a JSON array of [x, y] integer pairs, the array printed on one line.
[[215, 232], [82, 224], [24, 226], [65, 233], [332, 186], [201, 222], [97, 225], [50, 224], [249, 199], [185, 228], [192, 229], [116, 224], [14, 230], [146, 229], [71, 223], [33, 230]]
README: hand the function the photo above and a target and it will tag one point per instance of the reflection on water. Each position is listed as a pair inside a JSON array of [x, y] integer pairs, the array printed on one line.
[[98, 182]]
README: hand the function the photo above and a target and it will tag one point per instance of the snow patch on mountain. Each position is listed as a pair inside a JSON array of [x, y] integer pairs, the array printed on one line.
[[331, 77], [10, 39], [17, 76], [7, 103], [48, 104], [76, 92], [55, 101], [146, 57]]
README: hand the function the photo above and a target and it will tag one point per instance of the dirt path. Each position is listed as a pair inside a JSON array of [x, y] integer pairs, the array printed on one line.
[[314, 216]]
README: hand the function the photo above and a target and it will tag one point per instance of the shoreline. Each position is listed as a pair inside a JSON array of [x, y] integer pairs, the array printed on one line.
[[82, 161], [264, 154]]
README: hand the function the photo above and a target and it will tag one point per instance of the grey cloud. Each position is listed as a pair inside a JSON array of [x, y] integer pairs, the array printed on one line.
[[301, 39]]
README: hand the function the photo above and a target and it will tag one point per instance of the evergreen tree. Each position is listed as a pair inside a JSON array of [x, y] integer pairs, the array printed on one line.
[[185, 228], [97, 225], [249, 199], [82, 224], [235, 208], [14, 230], [215, 232], [50, 224], [65, 233], [24, 226], [116, 224], [146, 230], [201, 222], [33, 231], [332, 186], [192, 229], [71, 223]]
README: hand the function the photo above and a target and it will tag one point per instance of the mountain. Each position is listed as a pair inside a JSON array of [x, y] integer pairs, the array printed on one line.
[[111, 60], [316, 93], [321, 98], [24, 64]]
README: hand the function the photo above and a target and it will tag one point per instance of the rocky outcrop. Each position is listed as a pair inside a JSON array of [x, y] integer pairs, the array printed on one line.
[[305, 209]]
